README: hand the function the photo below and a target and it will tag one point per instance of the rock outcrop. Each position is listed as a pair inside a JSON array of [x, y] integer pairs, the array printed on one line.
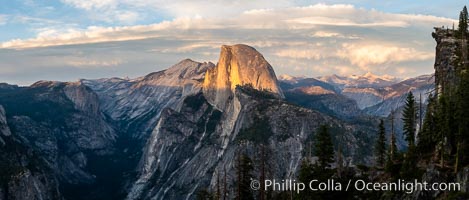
[[139, 102], [446, 59], [238, 109], [82, 97], [188, 150], [23, 174], [4, 129], [124, 99], [87, 125], [238, 65], [58, 127]]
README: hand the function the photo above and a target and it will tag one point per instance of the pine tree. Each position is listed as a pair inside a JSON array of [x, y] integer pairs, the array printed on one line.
[[340, 162], [244, 173], [392, 154], [393, 147], [380, 148], [409, 119], [409, 165], [461, 24], [305, 175], [447, 123], [225, 184], [204, 194], [447, 128], [464, 11], [428, 136], [392, 151], [263, 167], [218, 192], [463, 119], [324, 147], [463, 15]]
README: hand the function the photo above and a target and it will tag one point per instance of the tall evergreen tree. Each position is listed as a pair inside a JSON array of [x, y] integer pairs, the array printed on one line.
[[464, 11], [463, 119], [409, 165], [380, 147], [204, 194], [447, 127], [409, 118], [244, 173], [443, 126], [324, 148], [264, 169], [393, 147], [392, 153], [305, 175], [463, 20], [428, 136]]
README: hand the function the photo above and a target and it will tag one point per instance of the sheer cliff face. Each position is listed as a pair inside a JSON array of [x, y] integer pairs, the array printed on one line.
[[189, 148], [4, 130], [124, 99], [23, 175], [57, 127], [192, 145], [446, 58], [137, 103], [238, 65]]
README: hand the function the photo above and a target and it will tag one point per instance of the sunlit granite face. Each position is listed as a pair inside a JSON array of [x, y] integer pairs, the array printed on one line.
[[238, 65]]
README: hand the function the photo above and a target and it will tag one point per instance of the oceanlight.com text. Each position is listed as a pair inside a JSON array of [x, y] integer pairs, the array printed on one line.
[[282, 185]]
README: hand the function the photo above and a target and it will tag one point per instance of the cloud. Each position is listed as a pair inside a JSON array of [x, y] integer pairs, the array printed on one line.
[[3, 19], [91, 4], [33, 20], [123, 11], [279, 19], [87, 63], [326, 34], [367, 56], [106, 10], [311, 54], [127, 16], [346, 22], [311, 40]]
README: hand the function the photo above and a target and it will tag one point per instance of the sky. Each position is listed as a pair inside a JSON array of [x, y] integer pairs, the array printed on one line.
[[66, 40]]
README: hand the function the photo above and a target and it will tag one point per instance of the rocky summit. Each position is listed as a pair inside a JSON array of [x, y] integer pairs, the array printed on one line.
[[238, 65]]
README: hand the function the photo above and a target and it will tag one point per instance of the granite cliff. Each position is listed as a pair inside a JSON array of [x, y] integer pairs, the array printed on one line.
[[240, 107], [238, 65]]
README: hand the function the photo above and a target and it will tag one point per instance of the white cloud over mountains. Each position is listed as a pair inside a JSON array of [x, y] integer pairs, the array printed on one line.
[[311, 40], [366, 56]]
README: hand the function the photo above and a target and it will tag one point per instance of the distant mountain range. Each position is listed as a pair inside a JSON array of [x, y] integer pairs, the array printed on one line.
[[366, 80], [373, 94]]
